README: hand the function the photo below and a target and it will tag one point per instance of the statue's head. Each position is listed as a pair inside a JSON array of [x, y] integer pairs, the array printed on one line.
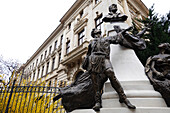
[[96, 33], [113, 8], [164, 47]]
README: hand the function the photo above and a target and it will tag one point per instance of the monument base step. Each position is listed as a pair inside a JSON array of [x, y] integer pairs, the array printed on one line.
[[126, 110], [138, 102]]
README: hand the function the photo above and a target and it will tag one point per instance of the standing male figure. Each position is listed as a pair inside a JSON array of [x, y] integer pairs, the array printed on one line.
[[100, 67]]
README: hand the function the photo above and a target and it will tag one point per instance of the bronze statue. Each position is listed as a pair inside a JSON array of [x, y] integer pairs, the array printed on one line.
[[85, 91], [78, 95], [98, 64], [158, 71], [113, 16], [130, 40]]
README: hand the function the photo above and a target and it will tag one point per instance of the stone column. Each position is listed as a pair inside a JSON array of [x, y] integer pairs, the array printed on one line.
[[63, 49], [72, 35], [126, 10]]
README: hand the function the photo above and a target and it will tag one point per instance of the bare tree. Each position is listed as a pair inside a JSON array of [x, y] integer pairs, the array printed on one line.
[[8, 66]]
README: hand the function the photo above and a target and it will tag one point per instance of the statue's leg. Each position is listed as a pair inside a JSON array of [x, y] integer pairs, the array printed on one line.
[[116, 85], [96, 84]]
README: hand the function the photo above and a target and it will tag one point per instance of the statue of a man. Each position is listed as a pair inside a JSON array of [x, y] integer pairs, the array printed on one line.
[[113, 16], [100, 67]]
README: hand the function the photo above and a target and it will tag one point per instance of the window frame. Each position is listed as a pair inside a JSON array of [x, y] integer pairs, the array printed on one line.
[[98, 21], [50, 49], [68, 47], [81, 36], [53, 64], [47, 67], [42, 71], [69, 26], [61, 40], [55, 45], [45, 54], [81, 13]]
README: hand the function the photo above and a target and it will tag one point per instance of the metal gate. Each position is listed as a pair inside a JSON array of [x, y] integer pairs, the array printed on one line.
[[29, 99]]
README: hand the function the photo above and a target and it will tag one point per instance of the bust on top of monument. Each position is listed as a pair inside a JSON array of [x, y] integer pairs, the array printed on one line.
[[113, 16]]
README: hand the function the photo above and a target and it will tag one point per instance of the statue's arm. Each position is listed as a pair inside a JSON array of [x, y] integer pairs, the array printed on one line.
[[115, 39], [141, 33]]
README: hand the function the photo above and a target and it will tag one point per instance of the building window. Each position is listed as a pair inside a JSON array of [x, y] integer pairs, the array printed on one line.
[[33, 77], [33, 65], [81, 14], [47, 67], [59, 59], [45, 54], [50, 50], [69, 26], [68, 47], [53, 63], [98, 22], [55, 45], [80, 37], [37, 62], [61, 40], [42, 71], [55, 82], [38, 74], [97, 1], [41, 57]]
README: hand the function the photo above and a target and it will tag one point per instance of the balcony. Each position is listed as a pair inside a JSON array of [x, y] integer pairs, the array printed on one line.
[[75, 54]]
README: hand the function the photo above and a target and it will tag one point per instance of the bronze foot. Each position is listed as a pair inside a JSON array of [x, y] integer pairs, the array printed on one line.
[[127, 102], [97, 107]]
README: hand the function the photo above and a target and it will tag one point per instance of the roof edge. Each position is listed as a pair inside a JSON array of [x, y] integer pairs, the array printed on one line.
[[59, 27]]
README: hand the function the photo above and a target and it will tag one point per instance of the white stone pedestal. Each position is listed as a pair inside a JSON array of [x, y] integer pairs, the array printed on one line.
[[130, 73]]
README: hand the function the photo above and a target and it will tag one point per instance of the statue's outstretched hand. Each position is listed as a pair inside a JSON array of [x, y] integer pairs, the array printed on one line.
[[123, 31]]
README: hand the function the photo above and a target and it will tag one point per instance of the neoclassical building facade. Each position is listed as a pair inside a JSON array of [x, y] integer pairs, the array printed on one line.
[[61, 55]]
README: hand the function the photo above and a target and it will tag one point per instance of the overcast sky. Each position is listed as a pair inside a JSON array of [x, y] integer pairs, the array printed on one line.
[[25, 24]]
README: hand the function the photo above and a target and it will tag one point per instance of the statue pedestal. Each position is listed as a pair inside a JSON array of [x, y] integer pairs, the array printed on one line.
[[130, 73]]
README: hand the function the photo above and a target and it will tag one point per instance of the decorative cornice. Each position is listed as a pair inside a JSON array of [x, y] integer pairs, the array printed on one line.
[[80, 24]]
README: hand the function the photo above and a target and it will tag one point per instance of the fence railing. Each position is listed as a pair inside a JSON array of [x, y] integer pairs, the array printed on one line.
[[29, 99]]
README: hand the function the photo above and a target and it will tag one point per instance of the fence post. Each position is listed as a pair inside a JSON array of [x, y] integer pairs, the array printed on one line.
[[6, 111]]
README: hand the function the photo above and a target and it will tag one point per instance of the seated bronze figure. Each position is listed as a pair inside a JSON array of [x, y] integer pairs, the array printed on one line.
[[158, 71]]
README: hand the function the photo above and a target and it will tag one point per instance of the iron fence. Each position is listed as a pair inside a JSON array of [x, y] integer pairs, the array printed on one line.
[[29, 99]]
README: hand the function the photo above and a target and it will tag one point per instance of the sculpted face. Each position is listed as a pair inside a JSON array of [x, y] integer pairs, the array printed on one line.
[[96, 33], [113, 8]]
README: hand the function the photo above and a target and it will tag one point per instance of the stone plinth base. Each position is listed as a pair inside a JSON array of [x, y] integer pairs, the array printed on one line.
[[126, 110]]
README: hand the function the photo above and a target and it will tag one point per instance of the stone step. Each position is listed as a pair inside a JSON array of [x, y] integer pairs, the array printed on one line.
[[138, 82], [130, 85], [138, 102], [126, 110], [133, 94], [109, 88]]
